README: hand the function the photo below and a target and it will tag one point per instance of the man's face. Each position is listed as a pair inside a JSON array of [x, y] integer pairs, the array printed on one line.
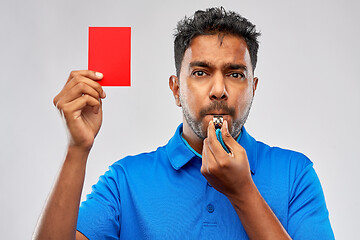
[[215, 79]]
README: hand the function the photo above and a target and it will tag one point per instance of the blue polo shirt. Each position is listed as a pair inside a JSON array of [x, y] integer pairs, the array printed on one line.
[[163, 195]]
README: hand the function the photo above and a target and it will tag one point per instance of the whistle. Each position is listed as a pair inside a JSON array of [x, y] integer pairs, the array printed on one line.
[[218, 122]]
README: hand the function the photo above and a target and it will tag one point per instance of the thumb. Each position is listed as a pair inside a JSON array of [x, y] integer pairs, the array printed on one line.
[[229, 141]]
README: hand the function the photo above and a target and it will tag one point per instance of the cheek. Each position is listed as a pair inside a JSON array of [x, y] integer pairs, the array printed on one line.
[[243, 101], [188, 100], [193, 96]]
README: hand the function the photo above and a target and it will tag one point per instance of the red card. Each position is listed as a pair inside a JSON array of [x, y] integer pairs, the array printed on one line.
[[109, 53]]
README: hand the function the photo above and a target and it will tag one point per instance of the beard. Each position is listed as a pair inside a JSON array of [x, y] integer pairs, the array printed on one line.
[[198, 127]]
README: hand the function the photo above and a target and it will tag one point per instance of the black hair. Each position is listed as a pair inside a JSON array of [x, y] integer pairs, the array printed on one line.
[[213, 21]]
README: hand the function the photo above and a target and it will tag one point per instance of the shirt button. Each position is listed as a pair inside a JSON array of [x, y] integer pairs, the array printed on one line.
[[210, 208]]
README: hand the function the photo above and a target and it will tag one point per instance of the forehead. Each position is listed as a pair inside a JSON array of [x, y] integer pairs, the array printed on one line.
[[218, 50]]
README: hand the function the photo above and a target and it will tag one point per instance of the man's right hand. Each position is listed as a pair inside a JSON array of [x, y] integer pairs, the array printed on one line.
[[79, 102]]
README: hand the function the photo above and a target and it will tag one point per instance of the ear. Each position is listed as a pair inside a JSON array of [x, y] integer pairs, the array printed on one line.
[[255, 82], [175, 88]]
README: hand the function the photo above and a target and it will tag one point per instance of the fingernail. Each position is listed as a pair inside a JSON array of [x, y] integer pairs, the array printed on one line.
[[99, 75], [226, 125], [103, 94]]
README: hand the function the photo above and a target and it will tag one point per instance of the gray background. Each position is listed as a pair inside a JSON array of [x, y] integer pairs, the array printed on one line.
[[307, 99]]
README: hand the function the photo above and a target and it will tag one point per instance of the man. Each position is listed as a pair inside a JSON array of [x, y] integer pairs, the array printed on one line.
[[191, 188]]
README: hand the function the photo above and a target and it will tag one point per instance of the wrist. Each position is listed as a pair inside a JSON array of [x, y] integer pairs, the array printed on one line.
[[80, 148], [78, 153], [244, 194]]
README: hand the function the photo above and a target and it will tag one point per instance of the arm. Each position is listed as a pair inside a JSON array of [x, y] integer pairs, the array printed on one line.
[[230, 174], [79, 102]]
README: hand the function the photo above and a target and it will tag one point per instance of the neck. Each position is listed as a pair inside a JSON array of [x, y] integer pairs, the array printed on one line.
[[191, 138]]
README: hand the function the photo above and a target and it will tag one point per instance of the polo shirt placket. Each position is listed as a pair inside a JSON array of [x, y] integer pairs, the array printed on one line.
[[210, 223]]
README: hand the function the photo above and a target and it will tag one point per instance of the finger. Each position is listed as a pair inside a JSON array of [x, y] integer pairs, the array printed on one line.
[[208, 159], [229, 141], [76, 80], [203, 168], [79, 90], [73, 109], [214, 144], [84, 79], [86, 73]]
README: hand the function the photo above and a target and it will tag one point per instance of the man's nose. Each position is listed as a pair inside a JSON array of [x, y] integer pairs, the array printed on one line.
[[218, 88]]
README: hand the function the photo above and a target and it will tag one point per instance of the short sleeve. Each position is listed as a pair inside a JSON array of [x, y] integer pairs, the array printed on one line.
[[99, 215], [308, 217]]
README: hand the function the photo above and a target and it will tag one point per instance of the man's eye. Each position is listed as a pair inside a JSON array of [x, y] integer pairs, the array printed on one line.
[[237, 75], [199, 73]]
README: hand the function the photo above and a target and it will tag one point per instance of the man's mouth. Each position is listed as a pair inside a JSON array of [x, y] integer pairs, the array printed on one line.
[[224, 115], [218, 113], [217, 108]]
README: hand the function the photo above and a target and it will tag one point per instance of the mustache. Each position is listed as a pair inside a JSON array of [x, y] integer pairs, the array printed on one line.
[[218, 107]]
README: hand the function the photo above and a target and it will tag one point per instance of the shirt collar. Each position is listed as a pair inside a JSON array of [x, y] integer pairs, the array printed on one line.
[[179, 154]]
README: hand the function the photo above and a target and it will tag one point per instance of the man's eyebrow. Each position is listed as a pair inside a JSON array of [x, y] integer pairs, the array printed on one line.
[[200, 64], [233, 66]]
